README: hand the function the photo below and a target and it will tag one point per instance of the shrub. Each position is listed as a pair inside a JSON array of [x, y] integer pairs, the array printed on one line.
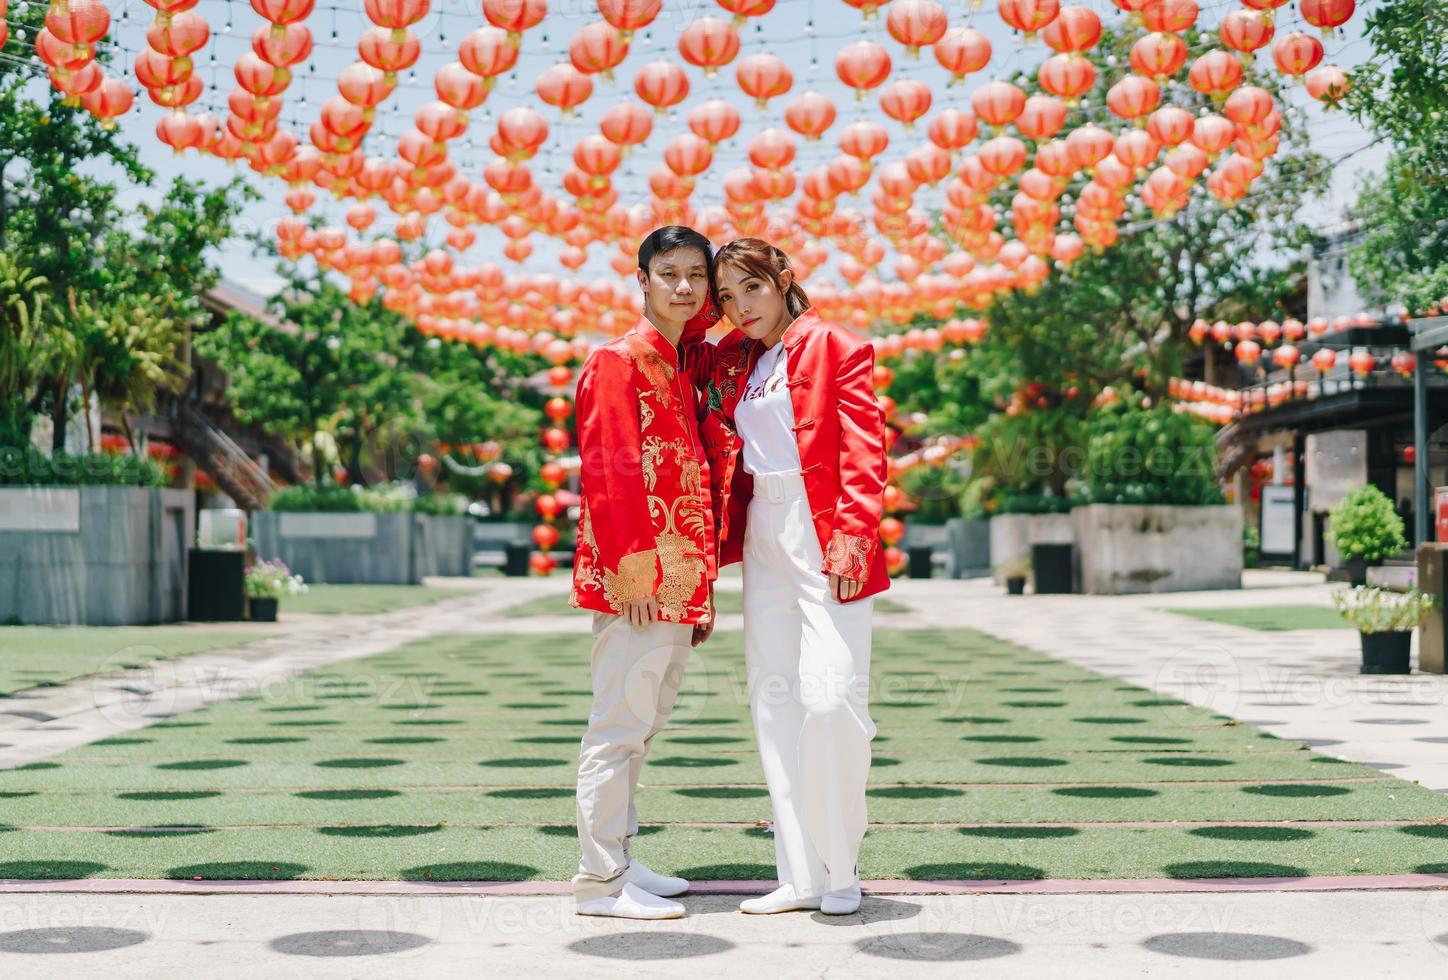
[[1137, 453], [27, 466], [441, 504], [1364, 525], [1015, 502], [1377, 610], [310, 497], [272, 579]]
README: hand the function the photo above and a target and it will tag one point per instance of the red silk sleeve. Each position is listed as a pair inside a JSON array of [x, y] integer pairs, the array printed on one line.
[[863, 468], [611, 479]]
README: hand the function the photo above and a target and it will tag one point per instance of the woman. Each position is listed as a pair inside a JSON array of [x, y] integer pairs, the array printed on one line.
[[795, 439]]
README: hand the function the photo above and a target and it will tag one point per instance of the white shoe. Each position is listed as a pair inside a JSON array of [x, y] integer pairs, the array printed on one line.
[[780, 900], [632, 903], [652, 882], [844, 901]]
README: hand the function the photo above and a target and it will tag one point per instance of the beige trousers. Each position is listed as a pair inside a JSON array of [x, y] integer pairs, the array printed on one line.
[[636, 677]]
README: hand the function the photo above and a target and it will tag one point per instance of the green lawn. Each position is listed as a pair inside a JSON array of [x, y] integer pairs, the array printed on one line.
[[342, 599], [729, 601], [1272, 618], [35, 656], [454, 758]]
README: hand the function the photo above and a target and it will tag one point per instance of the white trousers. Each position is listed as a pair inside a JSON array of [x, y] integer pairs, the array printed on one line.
[[808, 661], [636, 677]]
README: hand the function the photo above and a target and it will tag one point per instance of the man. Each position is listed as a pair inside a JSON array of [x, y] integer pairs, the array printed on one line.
[[646, 564]]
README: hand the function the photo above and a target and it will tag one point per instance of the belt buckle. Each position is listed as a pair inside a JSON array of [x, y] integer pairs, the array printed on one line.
[[774, 488]]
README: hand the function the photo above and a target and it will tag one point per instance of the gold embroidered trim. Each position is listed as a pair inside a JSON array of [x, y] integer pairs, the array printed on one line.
[[849, 556], [683, 568], [633, 580]]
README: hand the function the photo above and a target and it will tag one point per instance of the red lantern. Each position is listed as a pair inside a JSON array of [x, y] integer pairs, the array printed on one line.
[[894, 560], [1133, 97], [515, 16], [548, 506], [1248, 106], [1326, 15], [545, 536], [763, 77], [1362, 362], [662, 84], [564, 87], [1067, 76], [1324, 359], [916, 23], [714, 121], [862, 66], [1246, 30], [627, 16], [1328, 84], [1215, 73], [1075, 29], [1158, 56], [998, 103], [709, 43], [1286, 356], [108, 100], [597, 49], [963, 51], [1170, 125], [79, 22], [552, 474], [810, 115], [627, 124], [1003, 155], [1404, 362], [1029, 16], [1042, 117], [906, 101], [1248, 351], [892, 529], [487, 53], [1297, 53], [541, 564], [1175, 16], [555, 439], [558, 409]]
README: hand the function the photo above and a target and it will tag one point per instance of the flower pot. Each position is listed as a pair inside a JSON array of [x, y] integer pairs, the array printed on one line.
[[263, 610], [1386, 652], [1357, 571], [1015, 585]]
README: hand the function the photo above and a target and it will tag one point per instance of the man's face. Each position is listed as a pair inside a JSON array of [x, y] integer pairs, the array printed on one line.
[[676, 284]]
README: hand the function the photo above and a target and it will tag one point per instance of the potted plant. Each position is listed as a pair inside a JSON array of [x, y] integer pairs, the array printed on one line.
[[1365, 530], [1015, 572], [267, 582], [1385, 621]]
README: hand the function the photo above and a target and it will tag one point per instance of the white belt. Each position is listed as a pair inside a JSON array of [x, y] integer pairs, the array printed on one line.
[[779, 487]]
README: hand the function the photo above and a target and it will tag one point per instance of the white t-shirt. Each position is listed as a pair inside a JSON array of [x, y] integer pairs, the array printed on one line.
[[765, 418]]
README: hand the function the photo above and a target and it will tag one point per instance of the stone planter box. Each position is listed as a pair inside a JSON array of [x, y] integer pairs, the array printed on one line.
[[340, 549], [94, 556], [1011, 536], [442, 545], [1133, 548], [969, 548]]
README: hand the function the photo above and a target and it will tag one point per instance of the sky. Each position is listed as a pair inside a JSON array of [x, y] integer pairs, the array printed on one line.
[[806, 34]]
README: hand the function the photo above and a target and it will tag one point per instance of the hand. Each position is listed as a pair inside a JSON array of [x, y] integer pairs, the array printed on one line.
[[844, 589], [703, 630], [642, 612]]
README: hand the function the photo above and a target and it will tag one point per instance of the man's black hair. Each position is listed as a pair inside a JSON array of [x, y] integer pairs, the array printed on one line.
[[670, 237]]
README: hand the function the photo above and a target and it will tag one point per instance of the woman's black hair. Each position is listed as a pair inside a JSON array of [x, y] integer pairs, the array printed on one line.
[[670, 237]]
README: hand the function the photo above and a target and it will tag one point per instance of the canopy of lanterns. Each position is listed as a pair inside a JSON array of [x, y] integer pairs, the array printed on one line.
[[828, 183]]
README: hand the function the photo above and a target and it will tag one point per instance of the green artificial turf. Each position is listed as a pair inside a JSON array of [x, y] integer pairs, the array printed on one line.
[[350, 599], [454, 758], [728, 601], [36, 656], [1272, 618]]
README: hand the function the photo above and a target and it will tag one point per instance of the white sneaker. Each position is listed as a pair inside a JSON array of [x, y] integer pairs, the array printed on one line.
[[632, 903], [844, 901], [652, 882], [780, 900]]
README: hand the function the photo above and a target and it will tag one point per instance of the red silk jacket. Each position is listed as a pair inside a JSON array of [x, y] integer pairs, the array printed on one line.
[[645, 521], [839, 427]]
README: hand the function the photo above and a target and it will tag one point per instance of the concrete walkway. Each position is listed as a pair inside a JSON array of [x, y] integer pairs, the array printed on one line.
[[1261, 934], [1297, 684]]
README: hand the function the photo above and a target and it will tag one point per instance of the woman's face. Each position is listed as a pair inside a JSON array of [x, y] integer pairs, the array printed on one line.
[[752, 304]]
